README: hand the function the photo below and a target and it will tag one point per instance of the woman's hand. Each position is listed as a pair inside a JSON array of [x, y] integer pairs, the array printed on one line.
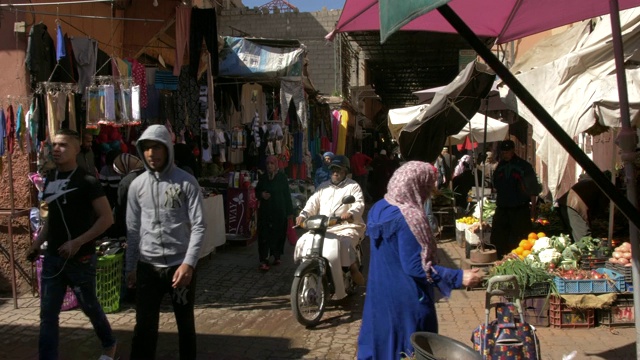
[[471, 278]]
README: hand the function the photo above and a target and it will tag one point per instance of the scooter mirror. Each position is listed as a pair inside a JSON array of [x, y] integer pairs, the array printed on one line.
[[349, 199]]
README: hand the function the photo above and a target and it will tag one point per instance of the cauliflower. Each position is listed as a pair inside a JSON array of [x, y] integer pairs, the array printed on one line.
[[541, 244], [550, 256], [560, 242], [571, 252]]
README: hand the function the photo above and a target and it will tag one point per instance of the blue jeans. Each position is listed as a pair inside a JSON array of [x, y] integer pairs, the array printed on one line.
[[80, 275]]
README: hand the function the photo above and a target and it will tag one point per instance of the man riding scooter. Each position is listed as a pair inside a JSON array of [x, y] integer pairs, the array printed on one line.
[[327, 199]]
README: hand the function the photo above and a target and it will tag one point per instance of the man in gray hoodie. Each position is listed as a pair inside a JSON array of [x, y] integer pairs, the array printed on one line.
[[165, 231]]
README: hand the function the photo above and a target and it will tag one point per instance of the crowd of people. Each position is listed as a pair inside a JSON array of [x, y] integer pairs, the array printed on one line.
[[155, 201]]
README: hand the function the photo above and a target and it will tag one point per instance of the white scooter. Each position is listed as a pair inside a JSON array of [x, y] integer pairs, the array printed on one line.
[[321, 275]]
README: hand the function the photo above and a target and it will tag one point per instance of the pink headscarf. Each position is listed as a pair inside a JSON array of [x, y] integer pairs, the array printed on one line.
[[409, 187]]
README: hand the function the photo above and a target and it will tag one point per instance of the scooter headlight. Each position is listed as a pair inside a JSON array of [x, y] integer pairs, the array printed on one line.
[[314, 223]]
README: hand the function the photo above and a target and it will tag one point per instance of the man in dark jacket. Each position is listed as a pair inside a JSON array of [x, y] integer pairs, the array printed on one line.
[[517, 190]]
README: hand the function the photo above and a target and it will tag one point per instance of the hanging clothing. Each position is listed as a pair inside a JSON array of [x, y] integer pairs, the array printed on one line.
[[203, 25], [342, 132], [293, 91], [11, 129], [41, 54], [71, 112], [19, 127], [251, 101], [3, 131], [61, 51], [86, 55], [188, 114], [183, 24], [41, 116], [139, 75], [335, 129]]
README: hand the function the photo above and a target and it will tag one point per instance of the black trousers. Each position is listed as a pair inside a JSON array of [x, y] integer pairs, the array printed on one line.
[[509, 226], [271, 237], [203, 25], [151, 286]]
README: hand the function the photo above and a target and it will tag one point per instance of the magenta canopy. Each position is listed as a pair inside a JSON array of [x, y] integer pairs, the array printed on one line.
[[506, 20]]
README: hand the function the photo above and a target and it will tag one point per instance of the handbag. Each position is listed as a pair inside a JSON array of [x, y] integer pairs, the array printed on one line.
[[292, 235]]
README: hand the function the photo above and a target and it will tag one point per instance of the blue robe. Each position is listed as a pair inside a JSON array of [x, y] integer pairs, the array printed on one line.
[[399, 299]]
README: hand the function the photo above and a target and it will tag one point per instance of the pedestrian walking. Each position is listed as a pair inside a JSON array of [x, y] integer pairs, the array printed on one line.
[[78, 212], [403, 267], [275, 210], [360, 171], [165, 231]]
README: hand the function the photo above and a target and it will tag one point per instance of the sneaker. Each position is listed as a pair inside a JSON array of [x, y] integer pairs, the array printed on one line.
[[264, 267]]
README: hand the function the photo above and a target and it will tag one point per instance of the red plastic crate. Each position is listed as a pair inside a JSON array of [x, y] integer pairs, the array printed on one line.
[[566, 317], [621, 312]]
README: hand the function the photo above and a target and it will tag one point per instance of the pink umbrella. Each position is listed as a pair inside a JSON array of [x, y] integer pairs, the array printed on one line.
[[506, 20]]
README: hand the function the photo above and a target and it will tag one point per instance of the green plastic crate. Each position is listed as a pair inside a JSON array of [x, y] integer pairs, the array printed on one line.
[[109, 282]]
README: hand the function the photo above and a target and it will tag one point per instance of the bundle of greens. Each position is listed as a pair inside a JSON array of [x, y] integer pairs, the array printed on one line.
[[526, 274]]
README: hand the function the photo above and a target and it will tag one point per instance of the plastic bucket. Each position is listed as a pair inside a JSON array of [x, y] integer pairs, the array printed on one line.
[[431, 346]]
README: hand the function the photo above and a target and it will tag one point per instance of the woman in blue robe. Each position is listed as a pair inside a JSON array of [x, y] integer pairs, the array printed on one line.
[[403, 270]]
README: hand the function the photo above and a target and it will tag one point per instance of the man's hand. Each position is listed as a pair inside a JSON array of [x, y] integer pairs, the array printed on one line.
[[34, 251], [182, 276], [69, 248], [473, 277], [346, 216], [299, 221], [131, 279]]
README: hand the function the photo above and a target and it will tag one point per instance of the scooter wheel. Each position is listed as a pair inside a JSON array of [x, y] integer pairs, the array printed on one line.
[[309, 293]]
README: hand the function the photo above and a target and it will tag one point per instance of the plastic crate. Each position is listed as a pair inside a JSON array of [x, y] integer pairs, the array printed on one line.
[[614, 283], [566, 317], [626, 271], [536, 310], [537, 289], [621, 313], [590, 263], [109, 282], [69, 302]]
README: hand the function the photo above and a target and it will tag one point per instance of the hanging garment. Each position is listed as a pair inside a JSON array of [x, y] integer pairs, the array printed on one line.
[[27, 130], [20, 127], [342, 133], [61, 51], [335, 130], [251, 101], [56, 102], [293, 90], [41, 116], [41, 54], [183, 24], [33, 125], [85, 51], [104, 64], [188, 114], [3, 131], [203, 25], [11, 129], [139, 75], [71, 117]]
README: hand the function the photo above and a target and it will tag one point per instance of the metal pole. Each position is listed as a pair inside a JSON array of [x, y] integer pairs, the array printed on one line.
[[627, 141], [628, 209]]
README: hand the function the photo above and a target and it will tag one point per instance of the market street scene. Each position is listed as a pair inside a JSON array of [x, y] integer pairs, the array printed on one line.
[[331, 179]]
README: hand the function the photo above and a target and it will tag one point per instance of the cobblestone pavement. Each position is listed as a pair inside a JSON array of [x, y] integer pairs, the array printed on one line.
[[242, 313]]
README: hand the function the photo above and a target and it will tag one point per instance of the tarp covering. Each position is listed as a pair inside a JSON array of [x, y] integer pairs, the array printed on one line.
[[246, 58], [506, 20], [578, 86], [496, 129]]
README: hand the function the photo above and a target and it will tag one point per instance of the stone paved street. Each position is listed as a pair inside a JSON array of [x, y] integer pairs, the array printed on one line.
[[245, 314]]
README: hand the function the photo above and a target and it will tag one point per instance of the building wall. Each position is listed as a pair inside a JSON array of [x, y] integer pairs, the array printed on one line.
[[309, 28]]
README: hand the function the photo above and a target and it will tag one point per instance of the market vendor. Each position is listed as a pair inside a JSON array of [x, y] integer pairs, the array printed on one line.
[[580, 205], [517, 188]]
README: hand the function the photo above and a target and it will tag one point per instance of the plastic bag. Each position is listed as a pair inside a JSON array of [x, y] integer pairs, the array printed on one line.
[[292, 235]]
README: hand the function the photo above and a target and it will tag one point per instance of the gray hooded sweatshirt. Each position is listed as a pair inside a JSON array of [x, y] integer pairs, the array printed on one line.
[[165, 226]]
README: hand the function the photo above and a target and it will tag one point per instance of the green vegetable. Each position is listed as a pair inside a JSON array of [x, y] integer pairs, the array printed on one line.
[[525, 272]]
